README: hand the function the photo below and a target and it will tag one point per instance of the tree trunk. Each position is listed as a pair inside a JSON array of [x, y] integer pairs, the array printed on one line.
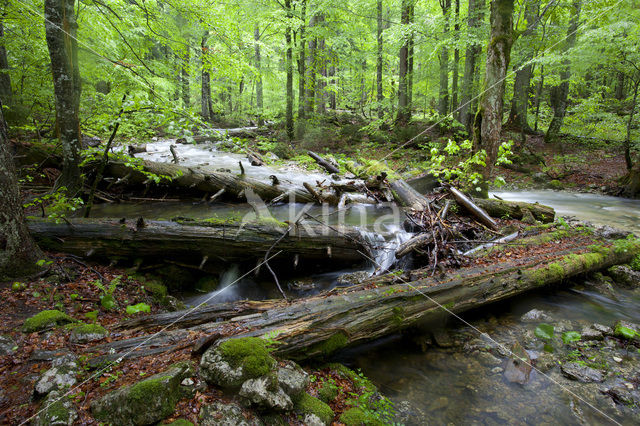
[[6, 94], [18, 252], [379, 63], [488, 119], [184, 79], [206, 109], [515, 210], [404, 113], [320, 325], [321, 95], [410, 64], [61, 29], [227, 242], [560, 93], [524, 72], [470, 66], [456, 60], [289, 66], [332, 93], [259, 94], [443, 96], [302, 66], [310, 80], [627, 139]]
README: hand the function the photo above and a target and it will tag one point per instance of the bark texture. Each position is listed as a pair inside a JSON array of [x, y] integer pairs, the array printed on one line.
[[61, 29], [18, 252]]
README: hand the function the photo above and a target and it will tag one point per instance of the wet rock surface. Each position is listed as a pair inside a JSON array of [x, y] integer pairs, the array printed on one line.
[[224, 414], [353, 278], [581, 373], [266, 393], [625, 276], [535, 315]]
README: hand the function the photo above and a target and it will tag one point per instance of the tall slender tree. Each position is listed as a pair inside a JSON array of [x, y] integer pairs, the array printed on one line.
[[474, 20], [289, 69], [404, 111], [206, 107], [443, 96], [560, 93], [259, 91], [379, 59], [61, 30], [456, 58], [6, 93], [302, 70], [488, 120]]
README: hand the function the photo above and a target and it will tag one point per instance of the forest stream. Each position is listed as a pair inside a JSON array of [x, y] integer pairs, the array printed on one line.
[[441, 373]]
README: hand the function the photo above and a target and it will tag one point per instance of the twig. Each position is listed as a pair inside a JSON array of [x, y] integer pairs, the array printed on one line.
[[266, 262]]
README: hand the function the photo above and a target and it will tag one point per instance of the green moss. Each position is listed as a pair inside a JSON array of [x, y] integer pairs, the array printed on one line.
[[142, 392], [328, 391], [358, 379], [357, 417], [398, 315], [310, 405], [332, 344], [156, 288], [629, 244], [90, 329], [46, 319], [249, 352], [56, 413]]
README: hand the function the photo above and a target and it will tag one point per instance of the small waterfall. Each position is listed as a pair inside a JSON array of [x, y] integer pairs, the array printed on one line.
[[383, 248], [220, 295]]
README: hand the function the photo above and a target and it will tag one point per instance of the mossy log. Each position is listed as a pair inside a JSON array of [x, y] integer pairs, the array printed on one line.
[[515, 209], [406, 196], [206, 180], [195, 240], [318, 326]]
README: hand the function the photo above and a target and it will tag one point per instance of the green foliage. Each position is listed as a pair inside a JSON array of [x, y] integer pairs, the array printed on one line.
[[570, 337], [107, 299], [328, 390], [544, 332], [625, 332], [57, 204], [136, 309], [635, 263]]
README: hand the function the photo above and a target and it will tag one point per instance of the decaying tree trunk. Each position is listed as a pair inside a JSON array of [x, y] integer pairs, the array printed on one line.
[[18, 252], [318, 326], [206, 180], [515, 210], [107, 238], [61, 29]]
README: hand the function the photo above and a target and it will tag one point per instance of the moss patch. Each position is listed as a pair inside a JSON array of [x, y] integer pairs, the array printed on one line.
[[329, 346], [90, 329], [357, 417], [310, 405], [328, 391], [250, 353], [181, 422], [46, 319], [156, 288]]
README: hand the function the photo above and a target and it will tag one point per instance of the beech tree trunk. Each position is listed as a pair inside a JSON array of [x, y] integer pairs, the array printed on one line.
[[470, 66], [488, 119], [443, 97], [289, 66], [302, 65], [310, 80], [379, 58], [259, 93], [524, 73], [560, 93], [206, 109], [404, 112], [18, 252], [184, 81], [61, 30], [456, 59]]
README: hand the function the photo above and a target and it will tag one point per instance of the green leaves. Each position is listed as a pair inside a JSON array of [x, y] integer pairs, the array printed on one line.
[[570, 337], [544, 332], [136, 309]]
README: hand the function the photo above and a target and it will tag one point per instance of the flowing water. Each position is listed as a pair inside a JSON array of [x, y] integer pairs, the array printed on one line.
[[446, 383]]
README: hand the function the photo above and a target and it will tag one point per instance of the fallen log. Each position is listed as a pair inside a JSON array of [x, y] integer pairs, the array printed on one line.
[[406, 196], [205, 179], [413, 244], [473, 208], [222, 134], [516, 209], [195, 240], [318, 326], [323, 163]]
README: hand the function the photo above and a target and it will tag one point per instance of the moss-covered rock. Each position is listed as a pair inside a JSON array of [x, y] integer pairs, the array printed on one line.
[[145, 402], [57, 410], [46, 319], [88, 333], [181, 422], [232, 362], [219, 413], [357, 417], [308, 405], [328, 391], [156, 288]]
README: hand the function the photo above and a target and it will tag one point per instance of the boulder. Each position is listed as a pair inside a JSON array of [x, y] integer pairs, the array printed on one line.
[[265, 393], [7, 346], [145, 402], [589, 333], [292, 379], [88, 333], [221, 414], [313, 410], [581, 373], [232, 362], [624, 276], [59, 377], [535, 315], [56, 410]]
